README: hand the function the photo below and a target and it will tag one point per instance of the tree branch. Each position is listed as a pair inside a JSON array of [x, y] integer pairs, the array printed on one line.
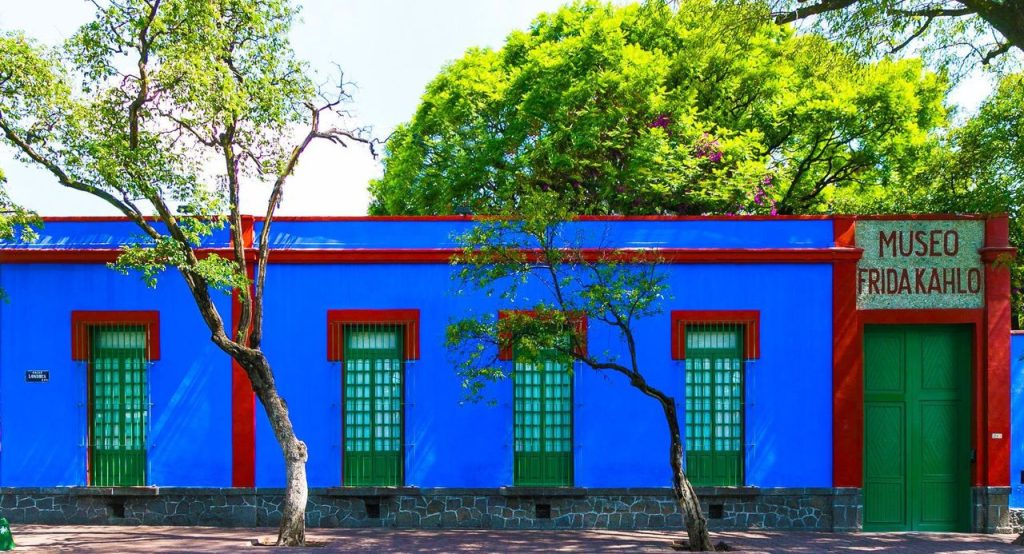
[[917, 33], [804, 12], [996, 52], [935, 12]]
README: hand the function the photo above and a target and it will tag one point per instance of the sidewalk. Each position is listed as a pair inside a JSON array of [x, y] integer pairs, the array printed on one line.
[[48, 538]]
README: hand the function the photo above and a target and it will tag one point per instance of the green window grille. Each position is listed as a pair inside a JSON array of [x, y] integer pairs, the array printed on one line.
[[373, 395], [542, 421], [714, 405], [119, 404]]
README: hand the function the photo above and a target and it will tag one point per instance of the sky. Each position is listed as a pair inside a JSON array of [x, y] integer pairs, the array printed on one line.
[[390, 49]]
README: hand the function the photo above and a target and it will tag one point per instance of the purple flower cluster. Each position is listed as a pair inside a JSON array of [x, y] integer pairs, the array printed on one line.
[[708, 148], [660, 122], [761, 194]]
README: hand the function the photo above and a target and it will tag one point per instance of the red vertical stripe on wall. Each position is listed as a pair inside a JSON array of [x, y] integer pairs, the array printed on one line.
[[847, 365], [997, 356], [243, 400]]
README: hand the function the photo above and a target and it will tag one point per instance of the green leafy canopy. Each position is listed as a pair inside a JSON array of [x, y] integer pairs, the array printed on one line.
[[644, 109]]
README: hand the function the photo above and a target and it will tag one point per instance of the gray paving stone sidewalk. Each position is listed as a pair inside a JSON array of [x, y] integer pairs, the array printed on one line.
[[87, 539]]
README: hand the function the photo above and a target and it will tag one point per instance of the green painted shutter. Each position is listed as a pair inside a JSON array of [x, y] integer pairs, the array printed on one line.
[[714, 405], [373, 395], [542, 391], [119, 406]]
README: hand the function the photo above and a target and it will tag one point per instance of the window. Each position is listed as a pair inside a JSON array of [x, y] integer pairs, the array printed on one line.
[[375, 348], [714, 405], [542, 398], [119, 404], [373, 394], [117, 346], [717, 346]]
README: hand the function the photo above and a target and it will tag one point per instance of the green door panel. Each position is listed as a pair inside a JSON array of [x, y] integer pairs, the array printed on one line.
[[714, 405], [885, 468], [119, 405], [372, 398], [917, 427], [542, 421]]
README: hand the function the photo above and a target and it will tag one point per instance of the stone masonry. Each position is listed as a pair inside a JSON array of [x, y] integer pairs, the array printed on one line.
[[991, 507], [409, 507]]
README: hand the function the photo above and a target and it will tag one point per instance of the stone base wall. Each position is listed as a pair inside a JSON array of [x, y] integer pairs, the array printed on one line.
[[991, 507], [1016, 520], [406, 507]]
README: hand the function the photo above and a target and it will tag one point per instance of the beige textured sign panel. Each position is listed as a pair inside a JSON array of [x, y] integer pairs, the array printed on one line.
[[920, 264]]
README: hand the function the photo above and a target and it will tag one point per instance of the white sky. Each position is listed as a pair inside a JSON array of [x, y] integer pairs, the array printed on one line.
[[390, 48]]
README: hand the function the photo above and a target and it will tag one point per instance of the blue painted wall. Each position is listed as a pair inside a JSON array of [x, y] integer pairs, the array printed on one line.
[[59, 235], [43, 426], [687, 233], [1017, 420], [620, 435]]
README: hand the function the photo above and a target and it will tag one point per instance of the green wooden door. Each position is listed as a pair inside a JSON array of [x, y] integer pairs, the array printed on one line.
[[917, 427], [373, 395], [542, 396], [714, 406], [118, 397]]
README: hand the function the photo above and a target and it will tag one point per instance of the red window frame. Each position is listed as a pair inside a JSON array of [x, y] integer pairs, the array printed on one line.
[[409, 320], [82, 320], [749, 319]]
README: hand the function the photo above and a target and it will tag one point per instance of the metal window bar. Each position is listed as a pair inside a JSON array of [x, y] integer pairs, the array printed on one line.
[[714, 403], [372, 404], [118, 404], [542, 420]]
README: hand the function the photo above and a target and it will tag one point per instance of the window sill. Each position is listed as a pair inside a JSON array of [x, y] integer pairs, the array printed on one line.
[[551, 492], [367, 491]]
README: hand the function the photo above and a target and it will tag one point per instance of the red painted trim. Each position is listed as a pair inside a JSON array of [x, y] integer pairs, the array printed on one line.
[[506, 341], [409, 320], [81, 321], [994, 253], [444, 255], [750, 319], [92, 218], [847, 365], [663, 255], [243, 398], [81, 255], [996, 397], [930, 216]]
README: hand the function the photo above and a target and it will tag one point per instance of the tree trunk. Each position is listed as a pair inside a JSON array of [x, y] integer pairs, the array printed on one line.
[[696, 523], [292, 531]]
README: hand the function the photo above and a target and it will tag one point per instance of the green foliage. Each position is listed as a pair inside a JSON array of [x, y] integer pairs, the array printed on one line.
[[643, 109], [536, 266], [143, 101]]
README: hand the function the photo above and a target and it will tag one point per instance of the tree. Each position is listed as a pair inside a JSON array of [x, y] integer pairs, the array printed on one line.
[[643, 109], [960, 32], [503, 255], [16, 223], [174, 106]]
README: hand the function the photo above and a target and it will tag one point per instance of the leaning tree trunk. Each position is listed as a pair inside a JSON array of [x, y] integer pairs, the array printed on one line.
[[696, 523], [292, 531]]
